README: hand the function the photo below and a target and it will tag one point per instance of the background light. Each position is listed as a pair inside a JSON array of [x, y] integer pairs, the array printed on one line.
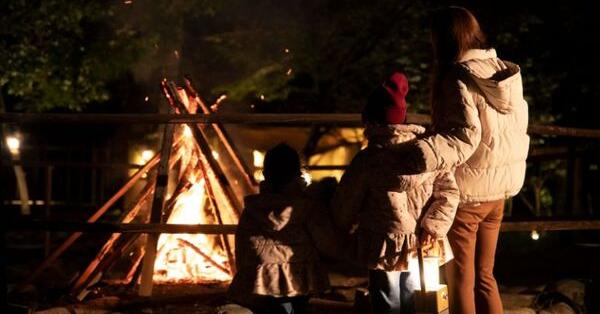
[[147, 154], [13, 144], [535, 235]]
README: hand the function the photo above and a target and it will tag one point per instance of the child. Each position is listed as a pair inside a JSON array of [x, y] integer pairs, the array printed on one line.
[[278, 266], [392, 210]]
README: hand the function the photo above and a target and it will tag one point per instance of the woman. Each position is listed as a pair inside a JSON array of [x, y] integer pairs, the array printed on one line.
[[479, 126]]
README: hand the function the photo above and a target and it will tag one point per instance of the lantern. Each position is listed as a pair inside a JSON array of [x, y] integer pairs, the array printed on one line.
[[433, 296]]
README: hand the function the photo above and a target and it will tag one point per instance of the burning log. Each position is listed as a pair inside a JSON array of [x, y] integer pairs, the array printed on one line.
[[94, 266], [160, 191], [224, 137], [82, 281], [207, 257], [73, 237], [213, 203], [202, 197], [176, 102]]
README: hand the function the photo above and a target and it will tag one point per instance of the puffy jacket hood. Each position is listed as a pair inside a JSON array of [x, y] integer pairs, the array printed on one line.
[[500, 81], [274, 211]]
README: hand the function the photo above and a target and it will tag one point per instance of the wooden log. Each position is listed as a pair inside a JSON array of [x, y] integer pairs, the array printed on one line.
[[173, 97], [205, 256], [73, 237], [117, 251], [160, 191], [213, 203], [134, 271], [223, 135], [94, 266], [107, 248]]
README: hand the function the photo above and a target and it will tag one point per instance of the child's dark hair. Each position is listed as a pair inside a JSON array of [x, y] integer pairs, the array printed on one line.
[[281, 165]]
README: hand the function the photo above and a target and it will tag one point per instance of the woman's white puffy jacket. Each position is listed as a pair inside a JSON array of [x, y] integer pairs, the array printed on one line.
[[480, 127]]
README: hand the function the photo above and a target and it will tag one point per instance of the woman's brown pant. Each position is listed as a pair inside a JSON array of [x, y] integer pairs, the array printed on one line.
[[473, 237]]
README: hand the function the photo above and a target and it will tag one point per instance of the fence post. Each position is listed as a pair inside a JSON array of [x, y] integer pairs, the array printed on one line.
[[574, 178], [160, 191], [47, 205]]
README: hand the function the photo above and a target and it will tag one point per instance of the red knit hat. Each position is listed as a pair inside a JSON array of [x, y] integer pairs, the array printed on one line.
[[397, 87], [387, 103]]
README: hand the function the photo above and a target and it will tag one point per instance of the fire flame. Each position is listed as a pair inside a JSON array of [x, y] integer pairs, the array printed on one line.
[[191, 258]]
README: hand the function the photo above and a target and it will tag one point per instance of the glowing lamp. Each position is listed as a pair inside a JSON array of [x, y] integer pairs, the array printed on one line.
[[433, 296], [535, 235], [13, 144]]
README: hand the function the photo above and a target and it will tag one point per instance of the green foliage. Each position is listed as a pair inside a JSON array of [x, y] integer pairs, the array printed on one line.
[[339, 55], [60, 54]]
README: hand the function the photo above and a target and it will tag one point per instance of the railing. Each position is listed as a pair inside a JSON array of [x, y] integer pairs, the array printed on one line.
[[258, 119], [266, 119]]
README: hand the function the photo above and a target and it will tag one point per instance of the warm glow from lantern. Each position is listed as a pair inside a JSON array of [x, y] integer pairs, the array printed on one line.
[[431, 268]]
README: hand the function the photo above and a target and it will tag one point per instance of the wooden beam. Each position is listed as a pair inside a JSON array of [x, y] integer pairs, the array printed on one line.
[[556, 225], [225, 138], [107, 248], [341, 119], [212, 199], [160, 192], [105, 227], [74, 236], [164, 118], [109, 227]]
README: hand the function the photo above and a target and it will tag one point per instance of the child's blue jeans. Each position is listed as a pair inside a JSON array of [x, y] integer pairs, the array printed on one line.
[[392, 291]]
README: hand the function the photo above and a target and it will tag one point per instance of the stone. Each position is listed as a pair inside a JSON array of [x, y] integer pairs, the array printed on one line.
[[233, 309]]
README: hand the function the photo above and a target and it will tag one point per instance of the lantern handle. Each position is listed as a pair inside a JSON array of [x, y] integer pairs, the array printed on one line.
[[421, 263]]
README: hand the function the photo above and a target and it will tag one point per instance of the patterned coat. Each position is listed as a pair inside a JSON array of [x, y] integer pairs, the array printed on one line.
[[390, 209], [275, 254]]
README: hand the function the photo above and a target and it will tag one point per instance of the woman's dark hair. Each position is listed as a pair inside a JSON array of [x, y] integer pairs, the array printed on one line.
[[454, 30], [281, 165]]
